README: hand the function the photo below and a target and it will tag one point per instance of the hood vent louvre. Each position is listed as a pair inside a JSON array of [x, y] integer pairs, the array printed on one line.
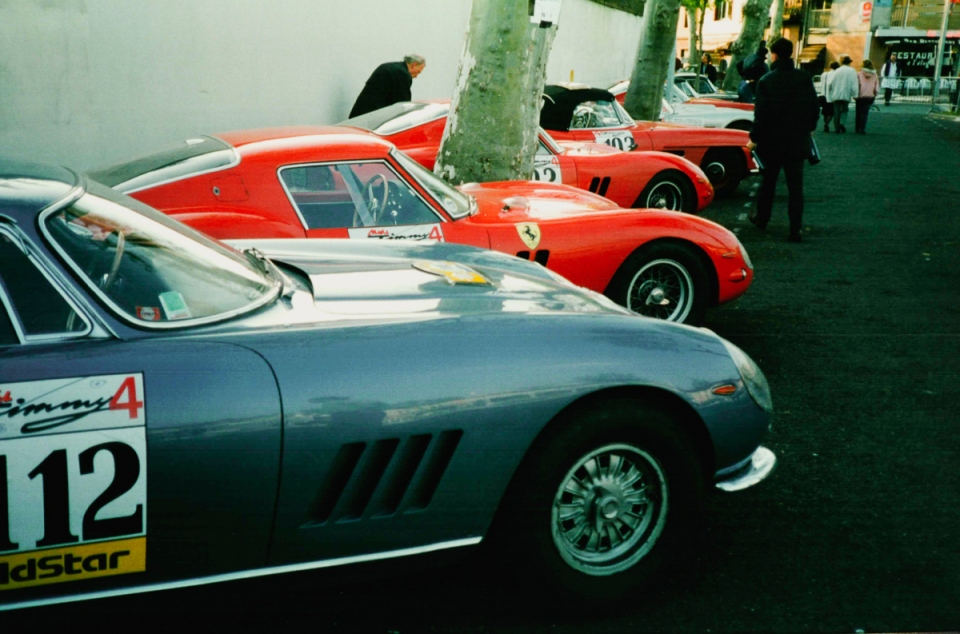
[[380, 479]]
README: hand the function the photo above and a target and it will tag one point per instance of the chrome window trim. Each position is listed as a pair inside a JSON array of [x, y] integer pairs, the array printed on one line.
[[248, 574], [5, 305], [303, 223], [553, 147], [57, 284], [267, 298], [233, 163], [415, 125], [471, 206]]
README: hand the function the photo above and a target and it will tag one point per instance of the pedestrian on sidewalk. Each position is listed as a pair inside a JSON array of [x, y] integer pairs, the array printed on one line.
[[844, 87], [826, 107], [785, 113], [890, 78], [869, 86]]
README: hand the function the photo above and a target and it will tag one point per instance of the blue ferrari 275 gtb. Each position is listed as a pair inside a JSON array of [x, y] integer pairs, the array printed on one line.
[[177, 411]]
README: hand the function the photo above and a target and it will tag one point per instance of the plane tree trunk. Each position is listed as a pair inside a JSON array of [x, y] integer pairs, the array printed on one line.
[[491, 133], [776, 26], [654, 55]]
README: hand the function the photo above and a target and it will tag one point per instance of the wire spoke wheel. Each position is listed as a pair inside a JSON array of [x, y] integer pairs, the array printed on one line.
[[665, 195], [662, 289], [610, 509]]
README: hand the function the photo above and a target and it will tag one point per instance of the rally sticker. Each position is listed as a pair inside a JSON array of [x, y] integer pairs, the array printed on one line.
[[174, 306], [73, 479], [620, 139], [408, 232], [547, 169], [148, 313], [687, 121]]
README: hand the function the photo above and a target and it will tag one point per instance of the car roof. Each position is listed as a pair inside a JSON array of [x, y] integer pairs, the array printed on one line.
[[561, 100], [26, 188], [332, 138]]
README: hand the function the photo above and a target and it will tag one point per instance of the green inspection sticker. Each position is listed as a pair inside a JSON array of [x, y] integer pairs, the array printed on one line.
[[174, 306]]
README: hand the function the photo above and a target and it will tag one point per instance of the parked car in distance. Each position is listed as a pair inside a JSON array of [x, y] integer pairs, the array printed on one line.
[[680, 107], [178, 412], [705, 87], [631, 179], [579, 113], [337, 182]]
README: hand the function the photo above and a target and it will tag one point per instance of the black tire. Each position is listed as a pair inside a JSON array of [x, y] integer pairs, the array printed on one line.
[[725, 167], [664, 280], [668, 190], [601, 505]]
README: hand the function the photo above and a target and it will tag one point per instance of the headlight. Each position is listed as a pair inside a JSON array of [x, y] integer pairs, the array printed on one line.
[[752, 376], [746, 256]]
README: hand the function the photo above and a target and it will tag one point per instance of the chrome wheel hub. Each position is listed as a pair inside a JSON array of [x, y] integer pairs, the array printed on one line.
[[662, 289], [715, 171], [609, 509]]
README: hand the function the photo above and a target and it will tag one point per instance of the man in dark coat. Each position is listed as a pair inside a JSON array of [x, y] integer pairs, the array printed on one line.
[[388, 84], [751, 69], [785, 113], [707, 69]]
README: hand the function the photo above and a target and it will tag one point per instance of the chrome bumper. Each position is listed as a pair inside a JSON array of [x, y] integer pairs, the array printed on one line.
[[754, 470]]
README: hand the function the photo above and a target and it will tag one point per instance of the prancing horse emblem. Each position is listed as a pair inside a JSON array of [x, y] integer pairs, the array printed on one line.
[[529, 233]]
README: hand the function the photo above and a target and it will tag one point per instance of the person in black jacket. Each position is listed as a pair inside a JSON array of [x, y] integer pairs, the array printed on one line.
[[751, 69], [388, 84], [785, 113], [708, 69]]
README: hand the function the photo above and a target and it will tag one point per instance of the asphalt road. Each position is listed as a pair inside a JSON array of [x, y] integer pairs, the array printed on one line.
[[857, 331]]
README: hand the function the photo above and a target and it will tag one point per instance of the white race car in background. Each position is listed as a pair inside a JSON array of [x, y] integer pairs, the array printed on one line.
[[680, 109]]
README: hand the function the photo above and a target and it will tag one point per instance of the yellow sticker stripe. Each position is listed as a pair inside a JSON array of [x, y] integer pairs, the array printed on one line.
[[73, 563]]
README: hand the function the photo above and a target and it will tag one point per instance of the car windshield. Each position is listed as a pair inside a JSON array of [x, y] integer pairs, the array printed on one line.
[[549, 142], [152, 270], [398, 117], [457, 204]]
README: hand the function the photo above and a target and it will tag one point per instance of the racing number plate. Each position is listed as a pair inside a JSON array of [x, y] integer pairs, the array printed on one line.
[[73, 479], [547, 169], [620, 139]]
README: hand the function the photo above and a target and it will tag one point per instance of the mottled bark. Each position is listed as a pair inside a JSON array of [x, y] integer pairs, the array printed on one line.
[[654, 55], [755, 14], [491, 132], [693, 58], [776, 26]]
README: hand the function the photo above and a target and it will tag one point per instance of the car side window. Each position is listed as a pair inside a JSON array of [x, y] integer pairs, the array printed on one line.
[[361, 194], [34, 303]]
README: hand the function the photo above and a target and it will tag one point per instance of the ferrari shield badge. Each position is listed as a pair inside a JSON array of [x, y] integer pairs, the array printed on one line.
[[529, 233]]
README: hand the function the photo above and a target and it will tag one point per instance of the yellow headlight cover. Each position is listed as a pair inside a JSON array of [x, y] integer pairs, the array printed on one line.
[[453, 272]]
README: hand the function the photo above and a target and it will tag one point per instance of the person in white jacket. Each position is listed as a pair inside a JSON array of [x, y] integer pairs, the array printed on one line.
[[841, 88]]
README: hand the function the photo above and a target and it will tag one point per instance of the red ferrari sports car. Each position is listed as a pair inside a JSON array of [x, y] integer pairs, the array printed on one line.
[[630, 179], [579, 113], [335, 182]]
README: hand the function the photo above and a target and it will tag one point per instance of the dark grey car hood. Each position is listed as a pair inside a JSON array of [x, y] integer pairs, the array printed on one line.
[[383, 280]]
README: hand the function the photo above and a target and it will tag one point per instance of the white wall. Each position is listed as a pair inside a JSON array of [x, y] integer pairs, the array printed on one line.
[[89, 82]]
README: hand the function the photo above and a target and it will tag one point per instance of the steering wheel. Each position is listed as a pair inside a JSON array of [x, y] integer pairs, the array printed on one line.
[[110, 274], [376, 205]]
